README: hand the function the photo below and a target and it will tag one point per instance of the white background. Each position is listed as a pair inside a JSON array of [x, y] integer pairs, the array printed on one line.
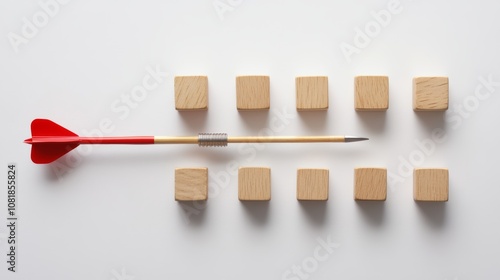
[[111, 214]]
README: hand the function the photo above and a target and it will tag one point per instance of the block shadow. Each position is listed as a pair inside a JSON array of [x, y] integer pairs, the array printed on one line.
[[315, 211], [434, 213], [195, 120], [315, 121], [254, 120], [193, 212], [373, 211], [431, 120], [374, 122], [257, 211]]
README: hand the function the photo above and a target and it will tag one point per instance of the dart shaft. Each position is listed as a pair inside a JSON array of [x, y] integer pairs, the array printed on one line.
[[285, 139], [118, 140], [221, 139], [176, 140]]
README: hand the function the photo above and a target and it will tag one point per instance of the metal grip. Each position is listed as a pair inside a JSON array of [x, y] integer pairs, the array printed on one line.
[[212, 139]]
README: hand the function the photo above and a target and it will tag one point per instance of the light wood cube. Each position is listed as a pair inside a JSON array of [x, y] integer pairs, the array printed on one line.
[[430, 94], [191, 184], [312, 93], [254, 183], [371, 93], [312, 184], [370, 184], [430, 184], [253, 93], [191, 93]]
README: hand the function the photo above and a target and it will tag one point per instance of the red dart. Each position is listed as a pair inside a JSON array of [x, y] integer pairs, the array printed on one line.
[[50, 141]]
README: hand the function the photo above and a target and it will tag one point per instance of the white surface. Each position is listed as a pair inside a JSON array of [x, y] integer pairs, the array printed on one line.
[[114, 215]]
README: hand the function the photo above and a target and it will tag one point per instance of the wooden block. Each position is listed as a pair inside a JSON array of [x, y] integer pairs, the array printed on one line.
[[254, 183], [191, 184], [430, 184], [252, 93], [370, 184], [191, 92], [371, 93], [430, 93], [312, 184], [312, 93]]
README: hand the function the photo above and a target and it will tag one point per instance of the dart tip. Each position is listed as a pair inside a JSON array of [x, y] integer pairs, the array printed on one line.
[[28, 141], [355, 138]]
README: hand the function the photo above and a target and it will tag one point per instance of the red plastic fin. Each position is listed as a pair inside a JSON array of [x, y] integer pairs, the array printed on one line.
[[44, 127], [43, 153]]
